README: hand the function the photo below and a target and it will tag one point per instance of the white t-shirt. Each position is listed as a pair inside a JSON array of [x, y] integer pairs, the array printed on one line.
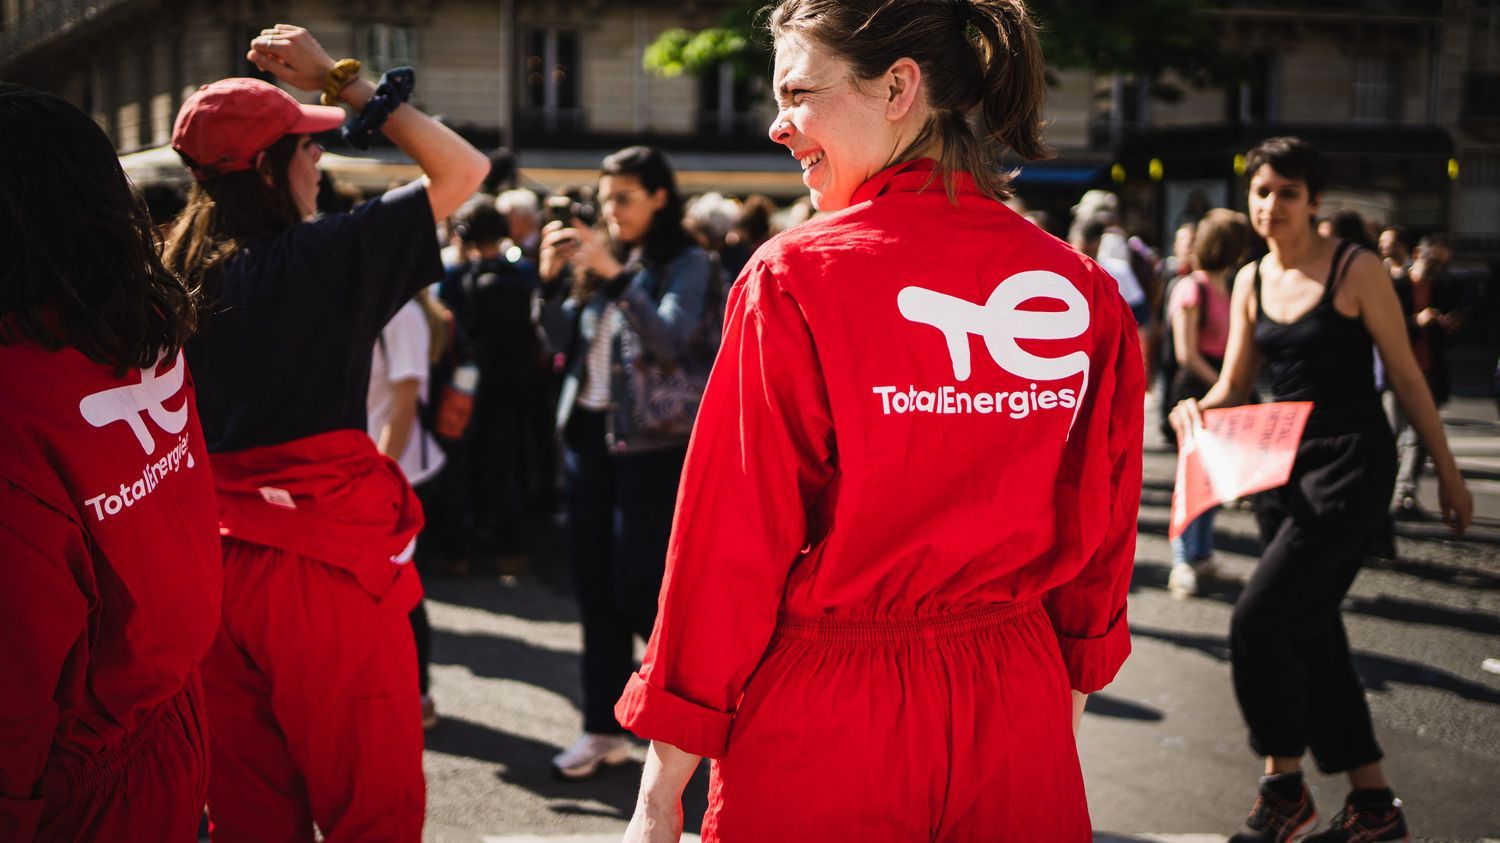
[[402, 354]]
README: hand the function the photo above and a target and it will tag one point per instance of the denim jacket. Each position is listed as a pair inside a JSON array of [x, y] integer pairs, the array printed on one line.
[[663, 306]]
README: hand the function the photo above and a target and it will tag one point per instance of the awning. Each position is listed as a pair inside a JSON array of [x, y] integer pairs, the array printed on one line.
[[371, 174], [542, 170], [1037, 176]]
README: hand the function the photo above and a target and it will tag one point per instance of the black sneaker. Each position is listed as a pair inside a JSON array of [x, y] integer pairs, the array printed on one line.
[[1364, 825], [1276, 820]]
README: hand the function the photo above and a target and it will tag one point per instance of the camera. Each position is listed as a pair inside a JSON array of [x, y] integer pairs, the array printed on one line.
[[563, 208]]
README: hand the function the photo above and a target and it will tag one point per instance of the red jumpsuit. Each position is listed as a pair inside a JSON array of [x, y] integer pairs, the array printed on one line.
[[905, 529], [109, 589], [316, 715]]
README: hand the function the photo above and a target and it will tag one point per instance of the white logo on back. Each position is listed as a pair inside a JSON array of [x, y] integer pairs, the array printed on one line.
[[128, 403], [999, 323]]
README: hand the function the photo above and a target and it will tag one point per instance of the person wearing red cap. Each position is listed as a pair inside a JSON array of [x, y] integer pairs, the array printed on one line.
[[111, 579], [311, 694]]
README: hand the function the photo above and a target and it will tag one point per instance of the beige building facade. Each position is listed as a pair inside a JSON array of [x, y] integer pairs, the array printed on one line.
[[1401, 92]]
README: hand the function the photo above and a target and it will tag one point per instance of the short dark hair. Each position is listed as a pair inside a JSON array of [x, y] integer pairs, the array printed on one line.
[[1402, 235], [1291, 158], [981, 62], [94, 283], [478, 221], [1349, 224]]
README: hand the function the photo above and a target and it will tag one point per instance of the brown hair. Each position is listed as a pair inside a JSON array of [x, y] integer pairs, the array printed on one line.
[[226, 212], [982, 69], [1222, 240], [78, 253]]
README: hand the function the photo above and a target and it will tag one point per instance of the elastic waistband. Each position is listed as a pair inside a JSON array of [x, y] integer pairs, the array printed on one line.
[[919, 628], [86, 775]]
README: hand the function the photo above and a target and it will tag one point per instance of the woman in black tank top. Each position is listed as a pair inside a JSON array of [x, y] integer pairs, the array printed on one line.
[[1311, 310]]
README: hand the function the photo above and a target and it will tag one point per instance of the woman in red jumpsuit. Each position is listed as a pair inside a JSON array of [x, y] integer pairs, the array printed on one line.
[[906, 524], [313, 702], [109, 544]]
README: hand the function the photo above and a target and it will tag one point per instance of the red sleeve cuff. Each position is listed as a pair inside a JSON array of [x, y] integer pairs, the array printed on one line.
[[1093, 662], [654, 713]]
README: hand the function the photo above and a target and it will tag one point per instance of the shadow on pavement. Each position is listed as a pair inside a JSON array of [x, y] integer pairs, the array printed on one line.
[[1377, 672], [1411, 611], [526, 763], [1152, 575], [502, 657], [1105, 705], [491, 594]]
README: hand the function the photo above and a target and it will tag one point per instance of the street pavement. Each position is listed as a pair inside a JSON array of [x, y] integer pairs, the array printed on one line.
[[1163, 747]]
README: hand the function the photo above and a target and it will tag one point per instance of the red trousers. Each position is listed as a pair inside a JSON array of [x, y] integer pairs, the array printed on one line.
[[313, 704], [151, 788], [956, 729]]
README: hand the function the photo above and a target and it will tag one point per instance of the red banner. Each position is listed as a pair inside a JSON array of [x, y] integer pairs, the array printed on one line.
[[1235, 453]]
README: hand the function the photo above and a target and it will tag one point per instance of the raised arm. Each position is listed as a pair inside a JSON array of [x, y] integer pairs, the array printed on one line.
[[1382, 315], [453, 168]]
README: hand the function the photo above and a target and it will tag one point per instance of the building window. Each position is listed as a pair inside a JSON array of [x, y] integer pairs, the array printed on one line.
[[1122, 104], [1377, 89], [724, 103], [1250, 101], [550, 81], [382, 46]]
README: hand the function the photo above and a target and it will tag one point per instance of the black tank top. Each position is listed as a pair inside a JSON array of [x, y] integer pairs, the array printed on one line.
[[1324, 357]]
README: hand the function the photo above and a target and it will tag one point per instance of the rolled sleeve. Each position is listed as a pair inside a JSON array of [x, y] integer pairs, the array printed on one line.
[[647, 709], [1092, 662], [760, 457], [1089, 611]]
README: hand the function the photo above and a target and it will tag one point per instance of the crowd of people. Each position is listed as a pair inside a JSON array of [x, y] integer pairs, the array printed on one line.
[[776, 454]]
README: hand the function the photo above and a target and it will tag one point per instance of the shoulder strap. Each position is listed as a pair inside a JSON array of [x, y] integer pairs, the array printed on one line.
[[1259, 303], [1343, 255]]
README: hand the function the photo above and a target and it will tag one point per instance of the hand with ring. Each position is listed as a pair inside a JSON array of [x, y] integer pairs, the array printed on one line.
[[291, 54]]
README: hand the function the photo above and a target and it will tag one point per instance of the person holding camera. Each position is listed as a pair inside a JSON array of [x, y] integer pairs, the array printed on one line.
[[624, 309], [312, 698]]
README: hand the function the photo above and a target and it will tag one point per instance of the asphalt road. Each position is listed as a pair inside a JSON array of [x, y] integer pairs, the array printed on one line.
[[1163, 748]]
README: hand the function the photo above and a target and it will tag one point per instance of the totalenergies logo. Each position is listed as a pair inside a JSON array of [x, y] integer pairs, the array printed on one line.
[[1000, 323], [132, 404]]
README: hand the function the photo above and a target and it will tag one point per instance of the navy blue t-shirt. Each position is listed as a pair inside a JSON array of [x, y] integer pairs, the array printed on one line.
[[284, 351]]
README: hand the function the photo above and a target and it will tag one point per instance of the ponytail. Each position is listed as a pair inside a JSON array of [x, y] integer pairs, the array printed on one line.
[[982, 66]]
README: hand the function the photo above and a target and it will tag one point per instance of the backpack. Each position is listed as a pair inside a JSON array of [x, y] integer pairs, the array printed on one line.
[[448, 411]]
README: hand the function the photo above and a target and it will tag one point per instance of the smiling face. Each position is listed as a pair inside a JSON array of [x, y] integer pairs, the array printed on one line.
[[839, 132], [1280, 207]]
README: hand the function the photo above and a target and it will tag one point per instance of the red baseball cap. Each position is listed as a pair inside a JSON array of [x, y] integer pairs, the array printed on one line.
[[224, 125]]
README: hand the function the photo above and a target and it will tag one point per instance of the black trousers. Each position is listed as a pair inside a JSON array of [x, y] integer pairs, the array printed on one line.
[[421, 629], [1293, 675], [619, 520]]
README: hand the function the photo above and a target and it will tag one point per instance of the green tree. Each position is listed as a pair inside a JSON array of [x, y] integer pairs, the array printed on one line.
[[1145, 38]]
